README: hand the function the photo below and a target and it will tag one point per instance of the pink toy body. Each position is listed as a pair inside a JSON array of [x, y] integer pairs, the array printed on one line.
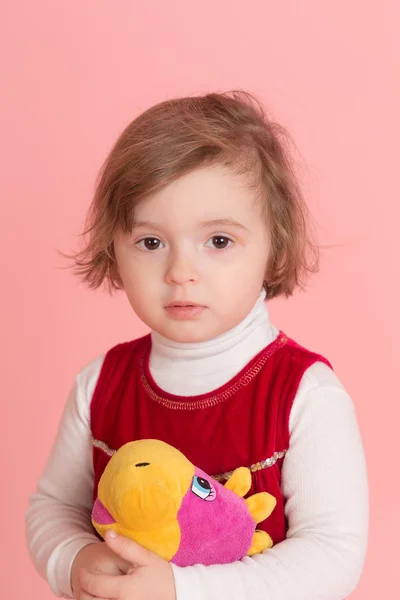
[[203, 523]]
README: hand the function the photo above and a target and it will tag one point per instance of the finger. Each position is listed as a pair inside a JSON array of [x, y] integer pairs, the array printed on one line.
[[100, 586], [114, 566], [129, 550], [86, 596]]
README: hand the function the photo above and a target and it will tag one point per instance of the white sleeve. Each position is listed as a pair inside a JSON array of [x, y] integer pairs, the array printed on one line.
[[58, 520], [324, 482]]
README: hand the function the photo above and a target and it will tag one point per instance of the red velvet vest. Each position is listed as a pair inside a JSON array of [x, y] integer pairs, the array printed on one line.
[[242, 423]]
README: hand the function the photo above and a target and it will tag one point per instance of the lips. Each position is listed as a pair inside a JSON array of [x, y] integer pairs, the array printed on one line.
[[184, 310], [184, 304]]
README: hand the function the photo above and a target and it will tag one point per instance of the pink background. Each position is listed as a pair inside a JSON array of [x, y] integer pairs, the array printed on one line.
[[73, 75]]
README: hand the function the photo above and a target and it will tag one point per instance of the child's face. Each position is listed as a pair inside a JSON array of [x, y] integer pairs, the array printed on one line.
[[176, 254]]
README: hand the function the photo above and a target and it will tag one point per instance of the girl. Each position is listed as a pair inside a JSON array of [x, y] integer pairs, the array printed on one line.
[[197, 216]]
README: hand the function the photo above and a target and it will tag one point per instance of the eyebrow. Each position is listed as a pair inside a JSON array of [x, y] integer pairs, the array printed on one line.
[[203, 224], [223, 223]]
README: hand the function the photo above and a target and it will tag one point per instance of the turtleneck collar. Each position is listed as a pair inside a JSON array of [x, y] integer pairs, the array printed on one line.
[[196, 368]]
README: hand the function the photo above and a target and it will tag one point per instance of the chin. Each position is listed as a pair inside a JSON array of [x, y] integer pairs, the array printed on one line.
[[186, 337]]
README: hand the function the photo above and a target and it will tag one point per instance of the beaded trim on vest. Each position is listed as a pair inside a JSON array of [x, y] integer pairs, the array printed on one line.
[[263, 464], [244, 380]]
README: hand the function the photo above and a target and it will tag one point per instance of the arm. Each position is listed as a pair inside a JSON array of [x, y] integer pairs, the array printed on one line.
[[58, 523], [324, 482]]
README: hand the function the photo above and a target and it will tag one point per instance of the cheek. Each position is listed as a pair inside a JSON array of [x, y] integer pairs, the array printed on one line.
[[245, 265], [131, 268], [244, 277], [140, 283]]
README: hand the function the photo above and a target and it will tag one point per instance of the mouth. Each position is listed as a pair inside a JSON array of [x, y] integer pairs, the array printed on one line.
[[184, 305], [184, 310]]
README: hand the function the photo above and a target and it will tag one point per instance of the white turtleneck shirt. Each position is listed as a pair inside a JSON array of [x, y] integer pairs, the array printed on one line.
[[323, 481]]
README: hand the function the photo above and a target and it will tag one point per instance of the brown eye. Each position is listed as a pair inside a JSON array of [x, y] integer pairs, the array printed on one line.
[[149, 243], [220, 241]]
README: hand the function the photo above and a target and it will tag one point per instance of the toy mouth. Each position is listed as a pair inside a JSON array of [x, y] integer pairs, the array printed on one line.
[[101, 515], [142, 464]]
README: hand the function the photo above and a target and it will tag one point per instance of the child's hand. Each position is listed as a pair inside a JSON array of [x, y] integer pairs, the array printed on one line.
[[96, 558], [149, 576]]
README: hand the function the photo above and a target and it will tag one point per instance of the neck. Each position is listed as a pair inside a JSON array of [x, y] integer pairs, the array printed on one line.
[[189, 369]]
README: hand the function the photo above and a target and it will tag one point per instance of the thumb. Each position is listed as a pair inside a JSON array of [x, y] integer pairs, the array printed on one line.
[[128, 550]]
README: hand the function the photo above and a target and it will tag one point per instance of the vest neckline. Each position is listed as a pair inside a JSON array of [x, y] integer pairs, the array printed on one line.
[[228, 389]]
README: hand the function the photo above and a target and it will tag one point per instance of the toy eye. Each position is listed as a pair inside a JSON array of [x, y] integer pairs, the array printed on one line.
[[203, 489]]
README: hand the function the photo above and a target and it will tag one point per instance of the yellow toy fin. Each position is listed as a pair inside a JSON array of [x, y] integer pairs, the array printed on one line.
[[239, 482], [260, 506], [261, 541]]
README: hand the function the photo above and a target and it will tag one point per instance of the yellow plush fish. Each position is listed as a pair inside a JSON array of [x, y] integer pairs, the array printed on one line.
[[150, 492]]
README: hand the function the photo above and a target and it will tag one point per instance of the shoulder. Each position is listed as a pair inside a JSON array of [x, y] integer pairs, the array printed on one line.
[[315, 369], [85, 384], [88, 375], [125, 350], [320, 374], [320, 393], [319, 389], [300, 354]]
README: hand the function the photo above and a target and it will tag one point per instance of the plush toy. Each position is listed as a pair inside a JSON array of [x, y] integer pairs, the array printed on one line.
[[150, 492]]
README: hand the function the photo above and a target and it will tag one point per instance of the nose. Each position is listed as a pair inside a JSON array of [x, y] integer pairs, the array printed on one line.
[[181, 269]]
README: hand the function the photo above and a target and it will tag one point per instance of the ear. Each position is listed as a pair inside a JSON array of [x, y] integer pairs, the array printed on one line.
[[239, 482], [260, 506]]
